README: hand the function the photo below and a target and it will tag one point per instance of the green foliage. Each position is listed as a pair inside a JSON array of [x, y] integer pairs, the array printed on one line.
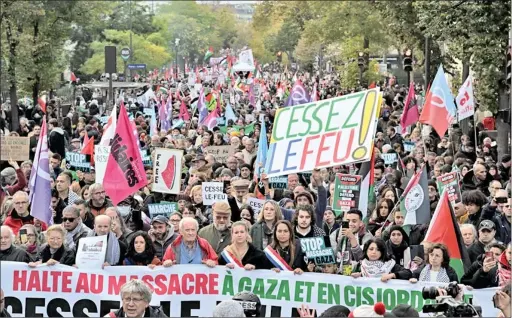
[[144, 51]]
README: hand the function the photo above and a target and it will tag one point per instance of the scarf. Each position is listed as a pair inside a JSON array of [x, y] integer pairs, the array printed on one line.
[[397, 251], [70, 242], [442, 276], [143, 258], [376, 268], [503, 271], [113, 254]]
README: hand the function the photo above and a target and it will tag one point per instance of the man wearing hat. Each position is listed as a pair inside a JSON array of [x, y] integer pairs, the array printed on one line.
[[75, 145], [162, 234], [486, 233], [241, 188], [218, 233], [199, 162], [12, 180]]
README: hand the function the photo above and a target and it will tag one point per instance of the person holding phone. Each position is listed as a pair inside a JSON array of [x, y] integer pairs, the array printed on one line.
[[500, 213], [29, 240]]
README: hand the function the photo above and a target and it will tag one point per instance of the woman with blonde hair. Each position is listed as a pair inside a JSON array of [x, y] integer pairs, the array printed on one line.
[[55, 251], [199, 209], [241, 253], [263, 230]]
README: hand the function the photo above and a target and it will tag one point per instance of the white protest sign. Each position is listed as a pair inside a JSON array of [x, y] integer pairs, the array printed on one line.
[[465, 100], [91, 252], [256, 205], [213, 192], [101, 154], [389, 158], [167, 170]]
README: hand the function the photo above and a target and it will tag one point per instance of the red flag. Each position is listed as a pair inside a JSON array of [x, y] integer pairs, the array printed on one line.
[[410, 114], [42, 103], [86, 140], [126, 173], [72, 77], [88, 148], [372, 85], [184, 112]]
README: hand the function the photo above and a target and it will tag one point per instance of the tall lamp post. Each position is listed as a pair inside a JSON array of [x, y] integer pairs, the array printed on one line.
[[176, 44]]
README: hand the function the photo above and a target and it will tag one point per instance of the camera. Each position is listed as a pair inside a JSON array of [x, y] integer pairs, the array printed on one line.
[[448, 306]]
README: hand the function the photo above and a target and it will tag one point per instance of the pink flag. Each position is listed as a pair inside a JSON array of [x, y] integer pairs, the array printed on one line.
[[183, 111], [211, 120], [125, 169], [410, 114]]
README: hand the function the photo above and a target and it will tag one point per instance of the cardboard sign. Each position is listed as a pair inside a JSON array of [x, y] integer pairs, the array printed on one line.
[[278, 182], [347, 189], [165, 209], [316, 250], [167, 170], [256, 205], [77, 161], [14, 148], [450, 182], [389, 158], [221, 153], [101, 154], [331, 132], [213, 192]]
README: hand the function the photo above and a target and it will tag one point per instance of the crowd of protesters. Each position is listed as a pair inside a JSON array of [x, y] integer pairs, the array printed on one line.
[[198, 234]]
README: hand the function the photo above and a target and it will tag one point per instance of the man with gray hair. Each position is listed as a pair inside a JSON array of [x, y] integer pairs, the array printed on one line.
[[188, 248], [135, 299], [98, 202], [116, 249], [9, 252], [229, 308], [75, 229]]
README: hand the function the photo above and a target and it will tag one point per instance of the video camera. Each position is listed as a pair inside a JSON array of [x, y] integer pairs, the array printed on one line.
[[448, 305]]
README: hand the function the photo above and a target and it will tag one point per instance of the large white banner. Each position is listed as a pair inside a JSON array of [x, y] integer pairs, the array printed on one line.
[[194, 290], [167, 170], [465, 100]]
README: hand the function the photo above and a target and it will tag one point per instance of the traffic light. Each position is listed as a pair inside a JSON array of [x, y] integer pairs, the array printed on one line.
[[360, 59], [508, 71], [407, 61], [279, 56]]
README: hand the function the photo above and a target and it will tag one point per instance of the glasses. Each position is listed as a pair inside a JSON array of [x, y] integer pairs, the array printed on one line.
[[99, 193], [130, 299], [20, 203], [64, 220], [175, 221]]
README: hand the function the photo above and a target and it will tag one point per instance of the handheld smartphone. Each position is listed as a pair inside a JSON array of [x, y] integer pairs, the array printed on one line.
[[23, 236], [489, 255], [227, 183], [344, 225], [501, 200]]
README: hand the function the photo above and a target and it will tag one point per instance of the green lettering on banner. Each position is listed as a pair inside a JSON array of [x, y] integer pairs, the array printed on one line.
[[366, 298], [227, 285], [349, 296], [284, 291], [346, 124], [322, 293], [242, 284]]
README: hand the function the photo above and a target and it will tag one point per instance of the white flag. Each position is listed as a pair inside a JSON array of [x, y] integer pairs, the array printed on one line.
[[109, 131], [465, 100]]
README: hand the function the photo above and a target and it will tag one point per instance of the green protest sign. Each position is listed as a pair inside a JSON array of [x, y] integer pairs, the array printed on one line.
[[450, 183], [316, 251], [164, 209]]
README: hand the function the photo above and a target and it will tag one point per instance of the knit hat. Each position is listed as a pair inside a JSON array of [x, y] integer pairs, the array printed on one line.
[[229, 308], [377, 310], [404, 310], [8, 172], [306, 194]]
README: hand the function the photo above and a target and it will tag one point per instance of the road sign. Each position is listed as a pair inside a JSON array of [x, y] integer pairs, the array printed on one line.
[[125, 53], [136, 66]]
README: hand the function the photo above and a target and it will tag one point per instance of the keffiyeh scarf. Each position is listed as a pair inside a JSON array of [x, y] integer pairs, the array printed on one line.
[[442, 276], [376, 268]]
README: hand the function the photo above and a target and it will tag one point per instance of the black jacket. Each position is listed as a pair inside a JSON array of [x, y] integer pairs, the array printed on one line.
[[477, 278], [299, 260], [14, 254], [63, 255], [57, 142], [254, 257], [475, 250], [470, 182], [151, 311], [4, 313], [501, 222], [452, 275]]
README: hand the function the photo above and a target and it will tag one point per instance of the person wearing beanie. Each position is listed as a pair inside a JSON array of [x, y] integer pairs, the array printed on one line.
[[404, 310], [228, 308], [377, 310]]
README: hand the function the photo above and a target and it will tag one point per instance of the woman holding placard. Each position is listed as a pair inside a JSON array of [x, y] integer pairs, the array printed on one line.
[[376, 262], [241, 253]]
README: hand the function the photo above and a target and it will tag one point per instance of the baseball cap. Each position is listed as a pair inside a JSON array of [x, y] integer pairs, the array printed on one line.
[[486, 225], [160, 219], [404, 310]]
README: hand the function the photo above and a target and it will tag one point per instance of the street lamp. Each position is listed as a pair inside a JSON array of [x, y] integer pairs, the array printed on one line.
[[176, 44]]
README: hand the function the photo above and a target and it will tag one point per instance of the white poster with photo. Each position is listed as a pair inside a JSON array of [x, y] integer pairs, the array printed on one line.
[[101, 154], [91, 252], [167, 170], [213, 192]]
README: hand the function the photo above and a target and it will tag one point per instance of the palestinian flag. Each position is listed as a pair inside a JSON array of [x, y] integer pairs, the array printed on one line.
[[367, 202], [414, 201], [208, 53], [444, 229]]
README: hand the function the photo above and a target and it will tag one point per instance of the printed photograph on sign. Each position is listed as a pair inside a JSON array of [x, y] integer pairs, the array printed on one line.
[[336, 131], [91, 251], [167, 170]]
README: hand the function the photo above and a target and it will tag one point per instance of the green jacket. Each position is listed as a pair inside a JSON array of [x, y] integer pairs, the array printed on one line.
[[217, 239]]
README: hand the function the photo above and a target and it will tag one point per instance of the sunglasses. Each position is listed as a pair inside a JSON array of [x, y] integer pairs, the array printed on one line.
[[64, 220]]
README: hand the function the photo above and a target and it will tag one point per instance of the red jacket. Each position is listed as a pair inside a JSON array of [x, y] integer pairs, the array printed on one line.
[[208, 253], [18, 186], [15, 222]]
